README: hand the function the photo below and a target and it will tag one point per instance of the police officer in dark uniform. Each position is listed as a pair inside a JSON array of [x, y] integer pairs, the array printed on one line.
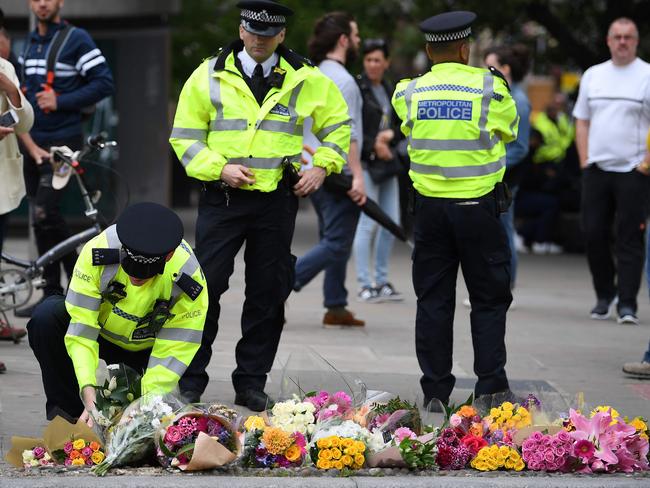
[[458, 119], [137, 296]]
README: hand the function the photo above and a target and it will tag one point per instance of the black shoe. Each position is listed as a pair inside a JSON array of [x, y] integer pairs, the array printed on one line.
[[191, 396], [627, 315], [602, 309], [254, 400]]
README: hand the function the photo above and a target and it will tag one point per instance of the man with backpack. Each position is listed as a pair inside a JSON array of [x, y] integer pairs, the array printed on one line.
[[63, 75]]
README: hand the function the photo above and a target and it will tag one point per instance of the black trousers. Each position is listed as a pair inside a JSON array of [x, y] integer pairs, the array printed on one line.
[[49, 226], [265, 222], [617, 200], [447, 233], [47, 329]]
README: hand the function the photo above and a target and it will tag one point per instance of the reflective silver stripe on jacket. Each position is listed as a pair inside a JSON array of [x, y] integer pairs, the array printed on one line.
[[291, 126], [84, 301], [78, 329], [170, 362], [192, 151], [326, 131], [459, 171], [484, 141], [337, 149], [219, 122], [124, 339], [183, 133], [263, 163], [110, 270], [180, 335], [408, 99]]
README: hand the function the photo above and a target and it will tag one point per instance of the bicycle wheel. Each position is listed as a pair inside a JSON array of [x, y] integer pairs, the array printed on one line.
[[15, 289]]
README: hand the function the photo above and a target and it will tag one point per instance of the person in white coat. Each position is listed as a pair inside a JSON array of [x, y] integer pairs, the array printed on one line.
[[12, 183]]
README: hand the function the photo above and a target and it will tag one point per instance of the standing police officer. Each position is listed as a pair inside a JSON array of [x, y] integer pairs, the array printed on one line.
[[136, 296], [457, 119], [238, 128]]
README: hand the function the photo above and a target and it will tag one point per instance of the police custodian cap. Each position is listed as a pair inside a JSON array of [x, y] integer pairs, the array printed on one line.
[[263, 17], [148, 232], [447, 27]]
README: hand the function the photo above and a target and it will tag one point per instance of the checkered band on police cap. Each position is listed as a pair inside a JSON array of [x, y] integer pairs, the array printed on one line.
[[138, 258], [263, 17], [448, 36]]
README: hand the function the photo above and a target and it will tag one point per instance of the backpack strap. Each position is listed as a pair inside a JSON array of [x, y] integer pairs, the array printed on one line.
[[54, 51]]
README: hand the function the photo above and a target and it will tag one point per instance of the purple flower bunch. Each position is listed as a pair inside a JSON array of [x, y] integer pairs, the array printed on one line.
[[329, 405], [452, 454], [265, 459], [544, 452]]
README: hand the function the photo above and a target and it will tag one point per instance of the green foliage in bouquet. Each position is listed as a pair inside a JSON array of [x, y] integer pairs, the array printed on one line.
[[120, 388], [413, 420], [417, 454]]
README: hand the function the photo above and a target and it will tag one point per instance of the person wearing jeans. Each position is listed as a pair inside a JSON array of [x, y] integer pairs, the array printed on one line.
[[380, 172]]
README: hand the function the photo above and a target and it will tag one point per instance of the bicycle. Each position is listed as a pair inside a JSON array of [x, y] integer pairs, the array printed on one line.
[[18, 284]]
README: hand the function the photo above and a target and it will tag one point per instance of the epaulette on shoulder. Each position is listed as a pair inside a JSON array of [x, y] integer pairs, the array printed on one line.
[[105, 256], [498, 74], [190, 286], [296, 60]]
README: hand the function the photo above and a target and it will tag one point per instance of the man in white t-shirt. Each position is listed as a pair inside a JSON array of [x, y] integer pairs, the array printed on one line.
[[612, 119]]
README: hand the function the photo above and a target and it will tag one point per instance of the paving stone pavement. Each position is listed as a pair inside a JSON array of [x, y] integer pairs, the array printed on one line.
[[553, 346]]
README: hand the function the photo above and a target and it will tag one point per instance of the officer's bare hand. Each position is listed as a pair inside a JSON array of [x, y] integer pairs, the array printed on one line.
[[5, 131], [237, 175], [89, 395], [310, 180], [358, 191], [46, 100]]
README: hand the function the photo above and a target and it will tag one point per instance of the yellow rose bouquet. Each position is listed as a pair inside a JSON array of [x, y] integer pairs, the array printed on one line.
[[336, 452], [492, 458]]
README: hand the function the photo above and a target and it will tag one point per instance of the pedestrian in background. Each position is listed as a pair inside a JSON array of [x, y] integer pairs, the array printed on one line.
[[335, 42], [612, 119], [380, 174], [80, 78], [238, 125], [12, 184], [458, 119]]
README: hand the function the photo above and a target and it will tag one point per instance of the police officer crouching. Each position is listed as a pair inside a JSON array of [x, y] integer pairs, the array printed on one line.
[[458, 119], [137, 297]]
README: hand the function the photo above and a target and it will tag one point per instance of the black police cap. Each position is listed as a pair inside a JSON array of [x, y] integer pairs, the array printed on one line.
[[148, 232], [263, 17], [447, 27]]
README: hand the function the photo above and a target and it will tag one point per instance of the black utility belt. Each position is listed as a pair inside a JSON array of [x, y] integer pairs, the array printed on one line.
[[223, 187], [488, 196], [500, 193]]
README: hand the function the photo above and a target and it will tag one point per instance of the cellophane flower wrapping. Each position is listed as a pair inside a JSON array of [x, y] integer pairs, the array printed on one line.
[[195, 439], [120, 388], [132, 439]]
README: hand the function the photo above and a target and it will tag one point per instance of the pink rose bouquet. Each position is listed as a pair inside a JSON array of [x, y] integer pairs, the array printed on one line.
[[543, 452]]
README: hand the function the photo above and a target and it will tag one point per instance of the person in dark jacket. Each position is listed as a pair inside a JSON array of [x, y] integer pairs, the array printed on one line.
[[380, 172]]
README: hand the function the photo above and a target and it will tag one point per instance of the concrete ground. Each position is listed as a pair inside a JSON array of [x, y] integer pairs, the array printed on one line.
[[554, 350]]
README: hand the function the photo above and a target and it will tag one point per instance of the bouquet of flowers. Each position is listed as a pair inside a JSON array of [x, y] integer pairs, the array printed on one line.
[[118, 391], [452, 453], [131, 439], [491, 458], [374, 441], [394, 415], [195, 440], [508, 416], [327, 405], [415, 452], [37, 457], [294, 416], [544, 452], [79, 452], [272, 447], [335, 452], [605, 443]]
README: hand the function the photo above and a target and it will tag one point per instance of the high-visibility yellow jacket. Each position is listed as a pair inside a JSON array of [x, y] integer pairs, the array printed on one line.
[[172, 347], [218, 121], [457, 119], [557, 135]]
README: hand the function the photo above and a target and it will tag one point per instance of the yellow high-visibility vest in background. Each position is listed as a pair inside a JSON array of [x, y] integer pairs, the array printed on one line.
[[457, 119], [172, 347], [218, 121]]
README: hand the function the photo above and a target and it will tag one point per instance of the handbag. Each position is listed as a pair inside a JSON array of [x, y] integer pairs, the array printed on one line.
[[381, 170]]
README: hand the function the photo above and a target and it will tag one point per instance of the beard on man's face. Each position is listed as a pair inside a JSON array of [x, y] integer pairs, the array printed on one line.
[[351, 54]]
